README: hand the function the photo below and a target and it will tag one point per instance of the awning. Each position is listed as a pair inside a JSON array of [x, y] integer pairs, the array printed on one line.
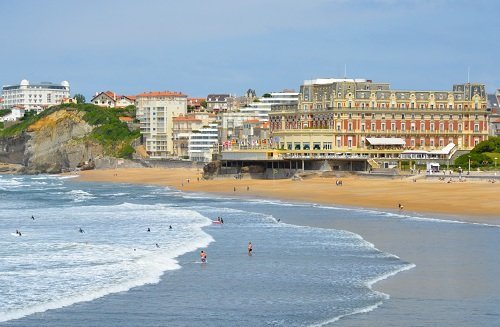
[[446, 150], [385, 141]]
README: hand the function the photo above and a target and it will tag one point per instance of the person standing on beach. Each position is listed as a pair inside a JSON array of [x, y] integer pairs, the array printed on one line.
[[250, 248]]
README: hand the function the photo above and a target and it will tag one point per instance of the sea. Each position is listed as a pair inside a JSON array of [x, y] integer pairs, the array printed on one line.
[[77, 253]]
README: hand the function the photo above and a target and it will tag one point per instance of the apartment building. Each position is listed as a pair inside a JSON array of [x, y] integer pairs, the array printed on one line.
[[202, 142], [184, 127], [34, 97], [155, 111], [263, 106]]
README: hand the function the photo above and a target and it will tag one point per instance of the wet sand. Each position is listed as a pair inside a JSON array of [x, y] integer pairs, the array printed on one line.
[[473, 201]]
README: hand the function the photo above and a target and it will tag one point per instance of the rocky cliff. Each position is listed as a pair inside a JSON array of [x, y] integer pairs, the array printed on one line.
[[52, 144]]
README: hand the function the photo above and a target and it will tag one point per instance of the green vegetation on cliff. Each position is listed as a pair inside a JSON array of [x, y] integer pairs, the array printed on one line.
[[29, 118], [113, 134]]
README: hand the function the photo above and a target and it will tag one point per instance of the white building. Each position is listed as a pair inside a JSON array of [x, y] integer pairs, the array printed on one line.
[[34, 96], [262, 108], [201, 143], [155, 111], [16, 113]]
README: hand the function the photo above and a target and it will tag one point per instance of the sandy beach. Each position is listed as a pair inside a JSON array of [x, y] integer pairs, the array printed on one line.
[[473, 201]]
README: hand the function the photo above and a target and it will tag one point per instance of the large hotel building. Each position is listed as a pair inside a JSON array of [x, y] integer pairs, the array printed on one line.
[[358, 116]]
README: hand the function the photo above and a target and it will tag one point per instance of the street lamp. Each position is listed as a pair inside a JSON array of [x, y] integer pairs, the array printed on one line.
[[496, 163], [468, 172]]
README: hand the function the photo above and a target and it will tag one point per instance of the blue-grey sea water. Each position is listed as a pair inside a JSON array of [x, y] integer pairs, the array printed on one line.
[[86, 258]]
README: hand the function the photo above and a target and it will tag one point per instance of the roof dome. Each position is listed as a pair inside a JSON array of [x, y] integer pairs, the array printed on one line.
[[65, 83], [25, 82]]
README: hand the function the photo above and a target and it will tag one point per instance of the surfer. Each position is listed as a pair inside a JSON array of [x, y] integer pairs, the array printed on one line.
[[81, 230], [250, 248], [170, 227], [157, 245], [203, 256], [279, 220], [32, 217], [149, 229], [221, 220]]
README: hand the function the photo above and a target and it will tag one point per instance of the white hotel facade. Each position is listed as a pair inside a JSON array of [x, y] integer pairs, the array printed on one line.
[[155, 111], [35, 97]]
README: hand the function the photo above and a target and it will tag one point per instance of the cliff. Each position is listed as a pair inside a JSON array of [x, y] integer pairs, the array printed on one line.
[[55, 143]]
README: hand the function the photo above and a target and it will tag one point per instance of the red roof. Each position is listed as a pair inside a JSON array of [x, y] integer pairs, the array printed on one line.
[[160, 94], [126, 119], [186, 119]]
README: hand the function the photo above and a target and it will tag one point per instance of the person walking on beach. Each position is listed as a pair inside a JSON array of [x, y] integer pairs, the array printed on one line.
[[400, 206], [203, 256], [250, 248]]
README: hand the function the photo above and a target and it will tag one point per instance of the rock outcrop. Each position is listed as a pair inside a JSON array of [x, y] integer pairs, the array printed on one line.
[[53, 144]]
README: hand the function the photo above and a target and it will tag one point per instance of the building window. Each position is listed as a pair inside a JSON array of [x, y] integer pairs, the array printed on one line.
[[327, 145], [338, 127], [422, 127], [476, 127], [373, 127], [431, 142], [403, 127], [362, 127], [349, 126], [383, 127], [393, 127]]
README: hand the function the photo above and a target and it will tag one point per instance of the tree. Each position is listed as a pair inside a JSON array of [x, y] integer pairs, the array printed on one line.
[[267, 95], [79, 98], [204, 104]]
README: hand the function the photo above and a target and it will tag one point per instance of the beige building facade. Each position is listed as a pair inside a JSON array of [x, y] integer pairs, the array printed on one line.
[[156, 112], [344, 115]]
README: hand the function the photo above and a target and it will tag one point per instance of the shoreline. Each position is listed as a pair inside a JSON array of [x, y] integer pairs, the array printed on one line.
[[472, 201]]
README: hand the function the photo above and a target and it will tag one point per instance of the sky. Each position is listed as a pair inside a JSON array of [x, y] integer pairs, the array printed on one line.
[[228, 46]]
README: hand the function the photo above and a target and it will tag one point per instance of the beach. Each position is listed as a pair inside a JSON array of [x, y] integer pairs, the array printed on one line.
[[315, 263], [448, 285], [472, 201]]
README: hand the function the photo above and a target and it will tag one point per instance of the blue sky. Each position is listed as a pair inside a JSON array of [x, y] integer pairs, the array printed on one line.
[[227, 46]]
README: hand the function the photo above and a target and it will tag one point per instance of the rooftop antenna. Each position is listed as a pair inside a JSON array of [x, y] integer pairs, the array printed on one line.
[[345, 70], [468, 75]]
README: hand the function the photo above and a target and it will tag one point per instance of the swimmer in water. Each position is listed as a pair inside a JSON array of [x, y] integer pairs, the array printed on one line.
[[250, 248], [203, 256], [81, 230], [149, 229], [170, 227]]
